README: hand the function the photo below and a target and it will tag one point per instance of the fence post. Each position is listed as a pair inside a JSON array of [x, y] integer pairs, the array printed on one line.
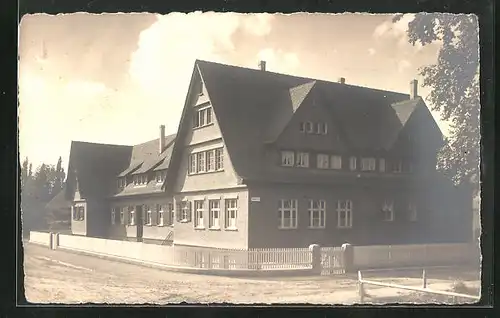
[[316, 258], [424, 278], [55, 243], [51, 240], [347, 257], [361, 289]]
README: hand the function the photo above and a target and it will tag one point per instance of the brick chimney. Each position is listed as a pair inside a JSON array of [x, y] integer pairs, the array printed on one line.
[[262, 65], [341, 80], [413, 89], [162, 138]]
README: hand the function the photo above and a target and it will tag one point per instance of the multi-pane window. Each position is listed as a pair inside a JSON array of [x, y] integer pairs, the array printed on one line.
[[287, 158], [388, 210], [336, 162], [202, 117], [368, 164], [317, 213], [352, 163], [160, 215], [140, 179], [131, 215], [303, 159], [122, 215], [319, 128], [206, 161], [231, 213], [200, 162], [211, 160], [185, 213], [149, 215], [219, 159], [214, 214], [344, 214], [323, 161], [381, 165], [412, 209], [199, 207], [171, 214], [160, 176], [287, 216], [78, 213]]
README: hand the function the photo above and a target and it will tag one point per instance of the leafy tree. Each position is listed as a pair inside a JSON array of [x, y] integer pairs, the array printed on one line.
[[454, 83]]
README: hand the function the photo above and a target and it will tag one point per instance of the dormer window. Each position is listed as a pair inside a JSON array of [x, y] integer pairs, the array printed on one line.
[[309, 127], [140, 179], [202, 117], [160, 176]]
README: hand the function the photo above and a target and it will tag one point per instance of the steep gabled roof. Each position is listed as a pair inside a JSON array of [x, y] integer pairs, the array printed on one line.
[[147, 154], [253, 107], [95, 166]]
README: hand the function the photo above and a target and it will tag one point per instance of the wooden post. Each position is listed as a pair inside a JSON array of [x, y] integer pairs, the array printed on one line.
[[424, 278], [361, 289]]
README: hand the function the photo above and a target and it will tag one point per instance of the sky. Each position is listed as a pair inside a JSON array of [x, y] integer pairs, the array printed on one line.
[[115, 78]]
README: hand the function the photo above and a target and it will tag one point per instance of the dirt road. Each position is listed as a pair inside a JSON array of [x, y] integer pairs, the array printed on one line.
[[63, 277]]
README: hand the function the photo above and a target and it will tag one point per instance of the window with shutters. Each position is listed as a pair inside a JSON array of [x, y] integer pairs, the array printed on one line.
[[185, 211], [160, 215], [170, 213], [148, 215]]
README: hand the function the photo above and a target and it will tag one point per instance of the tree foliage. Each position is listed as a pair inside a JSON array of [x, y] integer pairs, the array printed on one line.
[[37, 190], [454, 83]]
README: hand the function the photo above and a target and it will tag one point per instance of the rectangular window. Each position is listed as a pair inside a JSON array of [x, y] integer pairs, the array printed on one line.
[[309, 127], [131, 215], [323, 161], [303, 159], [317, 209], [160, 176], [336, 162], [185, 211], [368, 164], [231, 213], [211, 160], [302, 127], [344, 214], [202, 117], [287, 158], [397, 166], [388, 211], [192, 164], [113, 216], [381, 165], [78, 213], [149, 215], [214, 214], [219, 159], [160, 215], [200, 158], [319, 128], [171, 214], [122, 215], [352, 163], [199, 207], [412, 209], [209, 115], [324, 127], [287, 216]]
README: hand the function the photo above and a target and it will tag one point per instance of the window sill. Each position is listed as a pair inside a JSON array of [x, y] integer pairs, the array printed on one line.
[[214, 228], [205, 172], [199, 228], [287, 228], [183, 221], [316, 227], [231, 229], [344, 227], [204, 126], [140, 185]]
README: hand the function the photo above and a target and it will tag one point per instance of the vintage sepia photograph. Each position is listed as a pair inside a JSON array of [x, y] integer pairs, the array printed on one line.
[[237, 158]]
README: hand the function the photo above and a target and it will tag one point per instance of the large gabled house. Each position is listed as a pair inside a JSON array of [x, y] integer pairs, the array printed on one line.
[[269, 160], [116, 191], [262, 159]]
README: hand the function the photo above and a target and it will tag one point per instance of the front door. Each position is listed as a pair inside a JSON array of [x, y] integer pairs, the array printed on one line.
[[140, 222]]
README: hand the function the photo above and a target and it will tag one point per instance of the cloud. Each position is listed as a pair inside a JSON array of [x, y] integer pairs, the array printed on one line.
[[371, 51], [403, 65], [397, 31], [279, 61]]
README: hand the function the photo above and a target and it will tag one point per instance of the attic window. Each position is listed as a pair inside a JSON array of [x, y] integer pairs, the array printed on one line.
[[202, 117], [140, 179], [321, 128], [309, 127], [160, 176]]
